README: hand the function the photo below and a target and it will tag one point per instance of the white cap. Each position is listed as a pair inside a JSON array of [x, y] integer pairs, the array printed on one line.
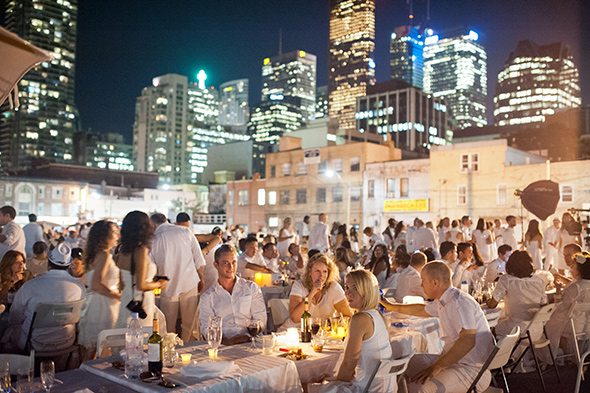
[[61, 255]]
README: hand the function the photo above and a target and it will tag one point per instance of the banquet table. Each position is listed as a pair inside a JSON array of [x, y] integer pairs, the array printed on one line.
[[73, 381], [257, 373]]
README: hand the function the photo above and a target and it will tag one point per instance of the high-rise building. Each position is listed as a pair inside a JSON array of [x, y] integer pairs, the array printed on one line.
[[291, 77], [160, 135], [233, 103], [407, 55], [271, 119], [455, 68], [103, 150], [414, 120], [321, 102], [537, 81], [351, 66], [44, 124]]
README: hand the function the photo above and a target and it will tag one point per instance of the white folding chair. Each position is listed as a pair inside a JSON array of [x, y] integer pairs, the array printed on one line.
[[584, 333], [115, 339], [493, 316], [539, 340], [497, 359], [279, 311], [389, 367], [581, 364], [409, 299], [17, 362]]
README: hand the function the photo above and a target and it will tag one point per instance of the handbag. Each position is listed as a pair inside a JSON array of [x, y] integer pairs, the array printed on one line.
[[135, 305]]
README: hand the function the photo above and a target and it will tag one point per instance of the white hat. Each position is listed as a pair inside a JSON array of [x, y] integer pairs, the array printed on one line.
[[61, 255]]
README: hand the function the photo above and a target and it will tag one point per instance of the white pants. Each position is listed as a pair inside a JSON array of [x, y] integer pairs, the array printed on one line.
[[186, 303], [455, 379]]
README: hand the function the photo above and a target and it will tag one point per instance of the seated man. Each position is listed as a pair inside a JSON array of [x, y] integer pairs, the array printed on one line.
[[235, 300], [251, 260], [270, 254], [466, 335], [37, 264], [448, 254], [409, 282], [498, 266], [296, 261], [55, 286]]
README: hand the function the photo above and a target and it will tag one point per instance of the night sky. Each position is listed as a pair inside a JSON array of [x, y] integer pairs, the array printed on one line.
[[122, 45]]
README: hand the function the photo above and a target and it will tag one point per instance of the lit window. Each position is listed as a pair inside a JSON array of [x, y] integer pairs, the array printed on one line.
[[301, 168], [567, 194], [461, 195], [261, 197], [243, 198], [272, 197], [273, 222], [286, 168], [390, 191], [230, 197], [355, 193], [404, 187], [337, 165]]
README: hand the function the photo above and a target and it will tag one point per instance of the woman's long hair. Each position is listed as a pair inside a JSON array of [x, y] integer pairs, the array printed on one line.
[[367, 286], [398, 229], [137, 230], [533, 230], [6, 266], [481, 225], [97, 239], [384, 257], [333, 272]]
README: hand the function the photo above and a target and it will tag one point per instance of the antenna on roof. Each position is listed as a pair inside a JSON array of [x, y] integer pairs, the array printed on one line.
[[427, 12], [411, 16], [280, 42]]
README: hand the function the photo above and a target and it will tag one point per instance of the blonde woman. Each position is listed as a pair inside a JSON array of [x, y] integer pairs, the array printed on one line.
[[319, 284], [367, 342]]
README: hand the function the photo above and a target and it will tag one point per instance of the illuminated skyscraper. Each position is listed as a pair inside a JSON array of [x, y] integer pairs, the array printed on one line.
[[321, 102], [351, 66], [233, 103], [537, 81], [45, 123], [407, 55], [291, 77], [455, 69], [271, 119]]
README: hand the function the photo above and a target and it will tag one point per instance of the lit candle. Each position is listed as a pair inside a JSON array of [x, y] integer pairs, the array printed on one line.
[[340, 332], [186, 358], [258, 277], [212, 353]]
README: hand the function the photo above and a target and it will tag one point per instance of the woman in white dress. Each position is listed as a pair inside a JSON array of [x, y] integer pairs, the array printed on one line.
[[565, 238], [380, 265], [483, 239], [399, 235], [367, 342], [455, 235], [104, 292], [533, 241], [138, 270], [286, 237], [444, 227]]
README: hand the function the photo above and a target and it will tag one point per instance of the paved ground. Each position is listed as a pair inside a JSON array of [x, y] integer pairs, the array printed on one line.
[[525, 383]]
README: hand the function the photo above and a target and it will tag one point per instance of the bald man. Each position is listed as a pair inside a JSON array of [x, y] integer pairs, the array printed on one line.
[[466, 336]]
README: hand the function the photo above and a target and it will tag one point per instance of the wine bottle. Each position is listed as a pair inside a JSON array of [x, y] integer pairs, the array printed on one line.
[[155, 351], [306, 324]]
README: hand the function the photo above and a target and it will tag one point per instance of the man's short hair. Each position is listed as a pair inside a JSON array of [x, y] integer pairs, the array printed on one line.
[[223, 249], [158, 218], [445, 247], [39, 248], [418, 259], [573, 247], [503, 249], [510, 217], [8, 210], [249, 240], [438, 270], [461, 247], [267, 246], [183, 217], [32, 217]]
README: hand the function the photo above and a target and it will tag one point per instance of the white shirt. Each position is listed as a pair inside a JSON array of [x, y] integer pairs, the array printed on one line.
[[73, 242], [551, 236], [235, 309], [409, 283], [325, 308], [55, 286], [424, 238], [244, 259], [272, 264], [33, 234], [508, 237], [15, 239], [318, 237], [177, 254], [458, 272], [523, 296], [493, 270], [456, 311]]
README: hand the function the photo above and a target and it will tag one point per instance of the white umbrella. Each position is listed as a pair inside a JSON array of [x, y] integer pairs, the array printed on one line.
[[17, 58]]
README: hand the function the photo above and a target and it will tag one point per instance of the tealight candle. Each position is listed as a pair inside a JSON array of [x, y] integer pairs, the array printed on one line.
[[212, 353], [186, 358]]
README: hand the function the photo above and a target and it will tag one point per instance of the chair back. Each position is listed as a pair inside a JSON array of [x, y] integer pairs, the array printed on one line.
[[537, 323], [57, 314], [115, 338], [504, 349], [409, 299], [493, 316], [581, 313], [16, 362], [389, 367], [279, 311]]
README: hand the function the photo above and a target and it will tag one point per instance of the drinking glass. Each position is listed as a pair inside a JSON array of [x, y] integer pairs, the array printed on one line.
[[214, 321], [47, 374], [316, 325], [254, 329], [214, 335], [5, 384]]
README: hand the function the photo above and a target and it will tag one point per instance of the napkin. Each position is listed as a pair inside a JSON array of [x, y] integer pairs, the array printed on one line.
[[209, 369]]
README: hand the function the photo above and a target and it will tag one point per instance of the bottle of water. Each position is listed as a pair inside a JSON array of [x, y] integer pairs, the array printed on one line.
[[465, 286], [134, 348]]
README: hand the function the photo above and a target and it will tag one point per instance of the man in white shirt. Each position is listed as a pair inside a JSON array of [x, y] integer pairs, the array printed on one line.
[[551, 242], [72, 239], [498, 266], [237, 301], [33, 234], [270, 253], [374, 237], [388, 233], [424, 237], [251, 261], [409, 282], [303, 229], [448, 253], [466, 223], [508, 235], [464, 258], [12, 236], [466, 336], [55, 286], [319, 237], [177, 254]]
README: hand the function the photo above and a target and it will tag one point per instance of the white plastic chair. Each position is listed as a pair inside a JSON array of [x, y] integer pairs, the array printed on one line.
[[17, 362], [583, 362], [493, 316], [279, 311], [497, 359], [409, 299], [584, 333], [115, 338], [389, 367]]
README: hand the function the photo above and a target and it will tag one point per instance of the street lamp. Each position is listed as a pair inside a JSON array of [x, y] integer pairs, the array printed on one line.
[[330, 173]]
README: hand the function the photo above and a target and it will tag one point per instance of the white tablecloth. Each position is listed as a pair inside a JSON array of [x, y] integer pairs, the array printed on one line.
[[259, 374], [428, 328]]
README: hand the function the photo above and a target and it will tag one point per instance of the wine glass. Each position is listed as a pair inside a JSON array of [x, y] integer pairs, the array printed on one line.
[[5, 384], [316, 324], [214, 335], [254, 329], [47, 374]]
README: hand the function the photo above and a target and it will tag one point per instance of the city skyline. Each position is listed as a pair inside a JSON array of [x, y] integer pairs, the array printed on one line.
[[121, 47]]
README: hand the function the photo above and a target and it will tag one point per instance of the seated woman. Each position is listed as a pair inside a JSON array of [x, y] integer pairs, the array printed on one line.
[[367, 342], [578, 291], [12, 275], [380, 265], [522, 291], [319, 284]]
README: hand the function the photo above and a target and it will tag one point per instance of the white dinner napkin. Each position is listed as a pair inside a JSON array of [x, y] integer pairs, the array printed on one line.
[[209, 369]]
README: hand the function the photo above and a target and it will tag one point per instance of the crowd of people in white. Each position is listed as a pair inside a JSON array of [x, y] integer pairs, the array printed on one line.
[[114, 266]]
